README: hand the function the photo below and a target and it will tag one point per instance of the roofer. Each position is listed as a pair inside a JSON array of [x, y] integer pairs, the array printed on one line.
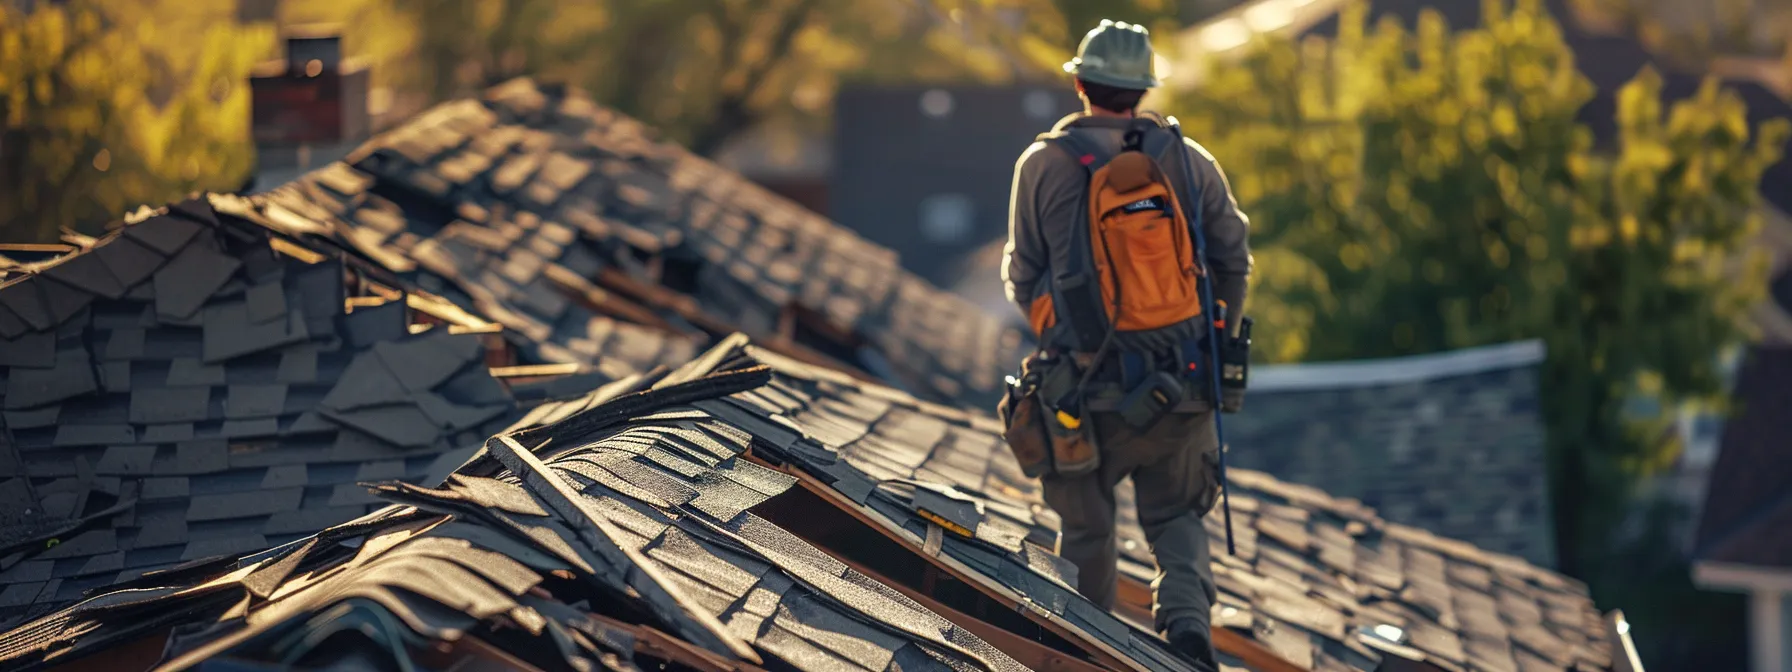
[[1110, 212]]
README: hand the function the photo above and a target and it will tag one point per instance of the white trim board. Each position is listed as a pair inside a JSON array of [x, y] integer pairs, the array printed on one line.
[[1741, 578], [1392, 371]]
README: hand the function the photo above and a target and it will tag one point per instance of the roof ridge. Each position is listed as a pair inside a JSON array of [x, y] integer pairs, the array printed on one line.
[[1396, 370]]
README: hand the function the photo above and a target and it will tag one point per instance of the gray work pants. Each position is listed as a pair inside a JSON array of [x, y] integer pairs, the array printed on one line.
[[1174, 470]]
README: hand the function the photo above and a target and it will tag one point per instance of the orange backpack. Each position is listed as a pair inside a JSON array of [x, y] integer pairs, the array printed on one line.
[[1138, 270]]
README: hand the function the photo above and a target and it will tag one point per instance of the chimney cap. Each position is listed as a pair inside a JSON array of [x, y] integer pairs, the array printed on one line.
[[312, 31]]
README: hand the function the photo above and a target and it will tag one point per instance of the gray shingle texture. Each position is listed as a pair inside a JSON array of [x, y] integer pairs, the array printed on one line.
[[552, 549], [514, 205], [174, 411]]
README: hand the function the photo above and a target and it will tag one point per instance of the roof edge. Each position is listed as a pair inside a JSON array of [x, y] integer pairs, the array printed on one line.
[[1624, 655], [1396, 370]]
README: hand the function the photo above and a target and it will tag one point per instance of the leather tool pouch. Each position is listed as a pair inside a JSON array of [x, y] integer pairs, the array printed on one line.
[[1024, 422], [1067, 420]]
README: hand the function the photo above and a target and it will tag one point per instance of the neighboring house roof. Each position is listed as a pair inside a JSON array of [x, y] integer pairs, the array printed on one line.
[[1747, 507], [654, 492], [541, 208], [188, 388], [1451, 442]]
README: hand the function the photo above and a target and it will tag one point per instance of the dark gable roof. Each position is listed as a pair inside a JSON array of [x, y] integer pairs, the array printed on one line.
[[541, 209], [182, 391], [1747, 506], [1450, 442], [630, 510]]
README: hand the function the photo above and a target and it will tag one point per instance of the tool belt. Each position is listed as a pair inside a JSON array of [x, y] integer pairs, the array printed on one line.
[[1042, 419], [1044, 414]]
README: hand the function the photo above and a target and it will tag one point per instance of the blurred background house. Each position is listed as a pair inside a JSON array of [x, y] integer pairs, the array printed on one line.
[[926, 171]]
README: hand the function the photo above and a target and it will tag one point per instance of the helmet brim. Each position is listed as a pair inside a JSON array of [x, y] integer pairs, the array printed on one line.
[[1075, 68]]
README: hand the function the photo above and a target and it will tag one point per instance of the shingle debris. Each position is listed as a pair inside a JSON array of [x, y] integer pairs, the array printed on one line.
[[183, 377], [550, 565]]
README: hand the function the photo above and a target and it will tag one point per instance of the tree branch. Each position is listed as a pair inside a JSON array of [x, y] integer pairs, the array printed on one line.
[[732, 111]]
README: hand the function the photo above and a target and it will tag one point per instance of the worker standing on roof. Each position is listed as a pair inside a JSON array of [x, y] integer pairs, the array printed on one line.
[[1111, 211]]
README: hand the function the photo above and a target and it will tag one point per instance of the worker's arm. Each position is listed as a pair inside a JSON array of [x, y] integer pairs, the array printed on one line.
[[1227, 230], [1024, 258]]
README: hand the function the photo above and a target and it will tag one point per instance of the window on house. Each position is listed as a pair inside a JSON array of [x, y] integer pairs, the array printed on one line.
[[937, 103], [1039, 105], [947, 219]]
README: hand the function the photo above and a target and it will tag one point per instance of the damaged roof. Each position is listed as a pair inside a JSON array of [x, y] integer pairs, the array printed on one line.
[[746, 510], [183, 390], [539, 208], [695, 482], [1317, 579], [542, 551]]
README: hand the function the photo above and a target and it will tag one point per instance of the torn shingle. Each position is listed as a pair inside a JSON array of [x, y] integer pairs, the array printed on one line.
[[63, 301], [423, 363], [87, 273], [35, 349], [367, 382], [399, 424], [11, 326], [266, 302], [26, 300], [72, 376], [167, 235], [367, 326], [229, 333], [130, 262], [191, 277]]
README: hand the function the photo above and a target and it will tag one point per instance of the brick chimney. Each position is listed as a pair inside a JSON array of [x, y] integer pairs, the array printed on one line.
[[309, 107]]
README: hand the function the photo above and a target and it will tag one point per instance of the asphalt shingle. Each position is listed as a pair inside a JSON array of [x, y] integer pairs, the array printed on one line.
[[202, 359]]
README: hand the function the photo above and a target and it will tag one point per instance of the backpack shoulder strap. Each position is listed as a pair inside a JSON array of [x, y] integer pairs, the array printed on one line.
[[1086, 153]]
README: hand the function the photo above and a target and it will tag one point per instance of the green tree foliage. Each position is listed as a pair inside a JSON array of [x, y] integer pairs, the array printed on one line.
[[104, 109], [1445, 195], [112, 103], [705, 70]]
